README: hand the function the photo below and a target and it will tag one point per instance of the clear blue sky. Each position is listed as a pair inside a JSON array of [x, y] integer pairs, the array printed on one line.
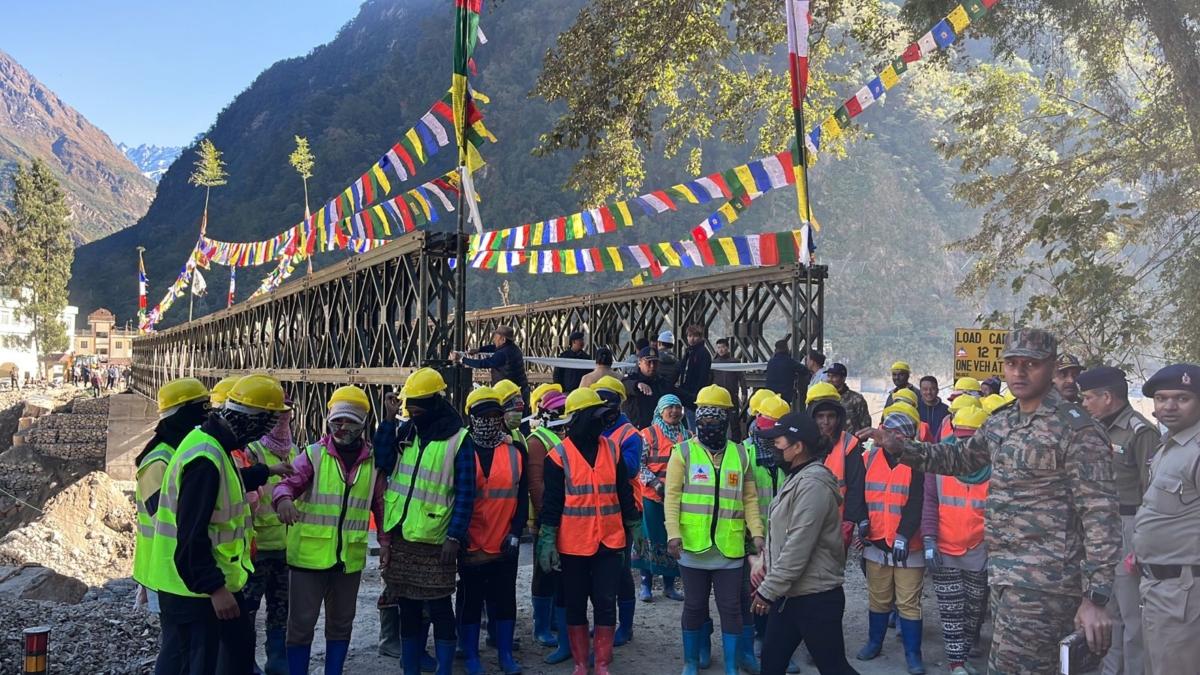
[[159, 72]]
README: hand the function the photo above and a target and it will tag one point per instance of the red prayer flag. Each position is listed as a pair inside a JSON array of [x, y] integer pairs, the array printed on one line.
[[706, 251], [912, 54], [597, 262], [606, 217], [444, 110], [767, 251], [853, 107]]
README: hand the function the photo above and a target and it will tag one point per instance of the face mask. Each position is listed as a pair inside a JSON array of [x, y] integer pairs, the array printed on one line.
[[585, 431], [512, 419], [765, 452], [487, 432], [248, 427], [777, 456], [713, 437], [346, 433]]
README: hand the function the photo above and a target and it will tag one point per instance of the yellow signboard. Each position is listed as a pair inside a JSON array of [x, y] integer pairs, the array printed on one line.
[[977, 353]]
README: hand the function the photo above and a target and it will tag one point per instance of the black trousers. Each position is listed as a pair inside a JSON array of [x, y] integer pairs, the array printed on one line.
[[814, 619], [593, 577], [196, 642], [543, 583], [495, 582], [441, 615], [625, 584]]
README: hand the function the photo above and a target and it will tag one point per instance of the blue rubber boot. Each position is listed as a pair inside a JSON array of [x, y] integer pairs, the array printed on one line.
[[893, 616], [877, 625], [443, 650], [646, 593], [706, 645], [277, 661], [411, 650], [691, 651], [625, 620], [669, 590], [912, 645], [504, 647], [746, 658], [297, 658], [428, 663], [730, 644], [543, 616], [468, 637], [563, 653], [335, 656]]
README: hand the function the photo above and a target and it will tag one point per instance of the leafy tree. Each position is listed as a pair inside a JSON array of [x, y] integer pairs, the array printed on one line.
[[302, 161], [209, 173], [36, 237]]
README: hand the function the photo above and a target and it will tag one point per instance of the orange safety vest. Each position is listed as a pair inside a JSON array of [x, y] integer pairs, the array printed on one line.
[[619, 436], [960, 514], [946, 432], [887, 493], [836, 462], [923, 433], [495, 500], [658, 455], [591, 511]]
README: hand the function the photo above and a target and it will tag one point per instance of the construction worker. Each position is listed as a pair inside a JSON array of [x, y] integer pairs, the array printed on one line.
[[901, 374], [992, 403], [183, 404], [588, 511], [667, 430], [905, 397], [220, 391], [270, 576], [514, 409], [200, 558], [966, 386], [427, 512], [845, 461], [895, 496], [488, 570], [328, 505], [946, 432], [629, 442], [955, 554], [711, 505], [547, 401]]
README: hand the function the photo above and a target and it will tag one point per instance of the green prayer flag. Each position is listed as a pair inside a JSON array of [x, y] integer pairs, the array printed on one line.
[[785, 243], [975, 8], [899, 65], [733, 182], [843, 117]]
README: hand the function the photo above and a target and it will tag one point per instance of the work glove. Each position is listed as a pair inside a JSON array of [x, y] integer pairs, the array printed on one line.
[[933, 557], [547, 549], [510, 548], [638, 535], [900, 551]]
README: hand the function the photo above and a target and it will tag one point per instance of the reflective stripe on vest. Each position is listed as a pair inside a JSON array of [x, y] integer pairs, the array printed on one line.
[[335, 515], [766, 482], [144, 537], [227, 527], [656, 455], [548, 438], [421, 490], [495, 500], [591, 513], [960, 514], [269, 533], [712, 508], [836, 462], [619, 436], [886, 493]]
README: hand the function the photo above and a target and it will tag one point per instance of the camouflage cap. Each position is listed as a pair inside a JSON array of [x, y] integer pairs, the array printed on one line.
[[1030, 343], [1067, 362]]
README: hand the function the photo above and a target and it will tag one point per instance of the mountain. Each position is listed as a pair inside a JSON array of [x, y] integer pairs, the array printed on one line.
[[105, 191], [886, 209], [152, 160]]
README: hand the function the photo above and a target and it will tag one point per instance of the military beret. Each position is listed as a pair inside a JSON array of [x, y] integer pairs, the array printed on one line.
[[1175, 377], [1104, 376]]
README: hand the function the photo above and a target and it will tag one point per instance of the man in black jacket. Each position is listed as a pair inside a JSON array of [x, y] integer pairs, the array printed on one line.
[[696, 372], [644, 387], [569, 377], [783, 372], [504, 359]]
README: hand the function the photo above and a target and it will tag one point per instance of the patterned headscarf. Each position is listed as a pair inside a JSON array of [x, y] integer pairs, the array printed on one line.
[[902, 424], [671, 430]]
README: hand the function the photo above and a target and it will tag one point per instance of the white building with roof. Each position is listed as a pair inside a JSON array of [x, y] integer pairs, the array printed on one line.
[[24, 358]]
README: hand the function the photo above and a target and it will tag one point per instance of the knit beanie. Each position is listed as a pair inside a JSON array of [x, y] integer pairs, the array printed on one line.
[[347, 409]]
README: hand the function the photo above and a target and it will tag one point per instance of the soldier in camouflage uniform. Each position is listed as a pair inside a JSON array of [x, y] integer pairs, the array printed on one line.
[[1134, 441], [1052, 528], [857, 414], [1066, 376]]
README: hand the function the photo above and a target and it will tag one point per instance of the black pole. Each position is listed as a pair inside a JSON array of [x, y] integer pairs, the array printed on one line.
[[460, 276], [802, 148]]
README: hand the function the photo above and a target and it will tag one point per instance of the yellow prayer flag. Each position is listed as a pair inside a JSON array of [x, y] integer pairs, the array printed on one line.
[[624, 209], [888, 77], [483, 131], [731, 252], [728, 211], [458, 99], [685, 193], [618, 262], [474, 160], [421, 200], [539, 231], [747, 178], [533, 263], [802, 199], [638, 280], [569, 265], [417, 145], [379, 212], [672, 256], [959, 19], [578, 231], [830, 129], [382, 178]]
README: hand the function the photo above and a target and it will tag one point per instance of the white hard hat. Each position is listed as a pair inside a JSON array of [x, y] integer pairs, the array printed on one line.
[[667, 337]]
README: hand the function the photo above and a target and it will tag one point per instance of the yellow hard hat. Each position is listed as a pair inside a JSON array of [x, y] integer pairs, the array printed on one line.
[[483, 394], [902, 366], [258, 391], [759, 396], [714, 395], [774, 407], [967, 384], [350, 394], [177, 392], [580, 399], [506, 389], [220, 390], [610, 383], [822, 391], [970, 418], [903, 407], [990, 403], [964, 401], [540, 391], [424, 382], [905, 395]]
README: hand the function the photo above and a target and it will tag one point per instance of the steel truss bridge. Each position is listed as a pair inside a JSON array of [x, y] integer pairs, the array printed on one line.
[[379, 316]]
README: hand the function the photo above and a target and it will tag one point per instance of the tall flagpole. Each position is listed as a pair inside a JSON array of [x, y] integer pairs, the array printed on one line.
[[797, 32], [460, 273]]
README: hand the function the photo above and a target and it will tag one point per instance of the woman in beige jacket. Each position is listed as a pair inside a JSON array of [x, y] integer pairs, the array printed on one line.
[[799, 579]]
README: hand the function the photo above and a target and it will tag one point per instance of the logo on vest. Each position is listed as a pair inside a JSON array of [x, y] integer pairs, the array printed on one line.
[[699, 474], [733, 479]]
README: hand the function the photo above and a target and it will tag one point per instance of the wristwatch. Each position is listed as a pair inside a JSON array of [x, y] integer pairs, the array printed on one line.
[[1097, 597]]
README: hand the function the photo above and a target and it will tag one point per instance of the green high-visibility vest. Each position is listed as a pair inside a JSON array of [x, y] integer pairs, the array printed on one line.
[[270, 534], [766, 482], [144, 541], [712, 512], [548, 438], [420, 494], [227, 527], [334, 515]]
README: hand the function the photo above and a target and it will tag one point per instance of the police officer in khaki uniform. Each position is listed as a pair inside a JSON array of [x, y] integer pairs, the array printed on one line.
[[1166, 535], [1066, 377], [1134, 441]]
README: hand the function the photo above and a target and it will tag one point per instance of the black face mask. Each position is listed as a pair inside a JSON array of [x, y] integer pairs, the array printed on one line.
[[765, 452], [586, 431]]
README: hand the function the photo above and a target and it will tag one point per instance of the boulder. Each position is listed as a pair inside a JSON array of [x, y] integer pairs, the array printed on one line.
[[34, 582]]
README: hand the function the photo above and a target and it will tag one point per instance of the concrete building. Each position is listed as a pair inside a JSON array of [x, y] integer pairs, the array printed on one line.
[[23, 358], [102, 341]]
